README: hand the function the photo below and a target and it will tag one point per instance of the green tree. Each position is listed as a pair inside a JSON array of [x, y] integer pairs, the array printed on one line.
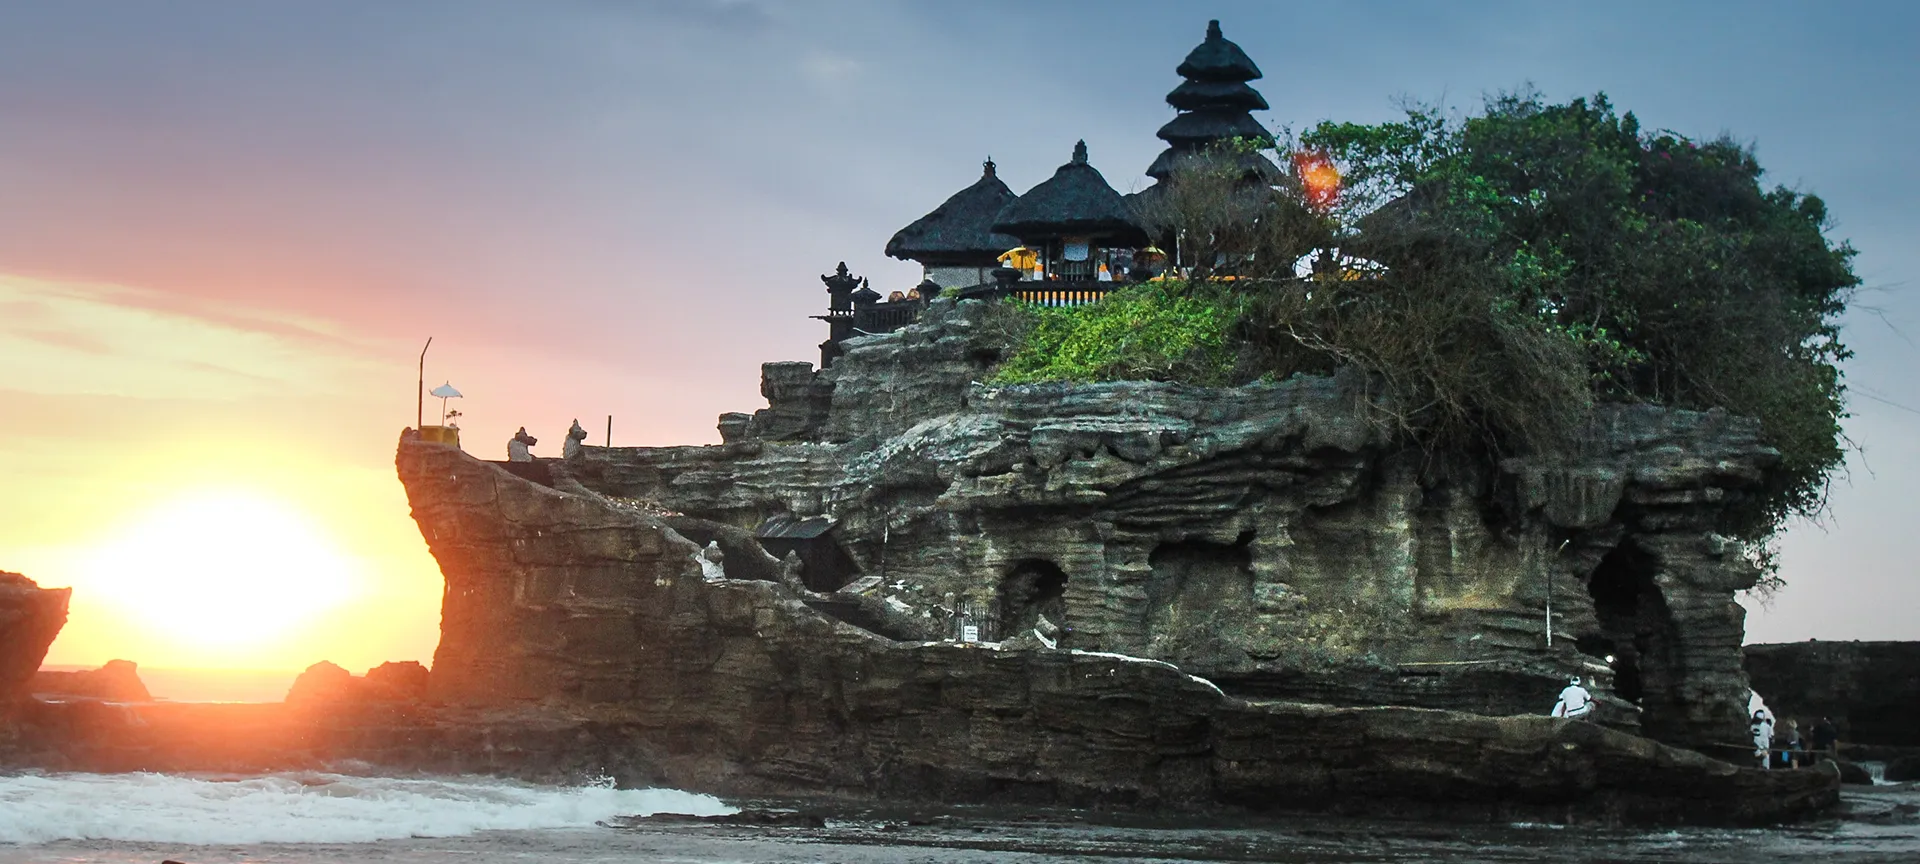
[[1682, 279]]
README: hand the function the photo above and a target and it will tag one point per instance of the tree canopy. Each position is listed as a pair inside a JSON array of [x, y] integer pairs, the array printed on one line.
[[1537, 258]]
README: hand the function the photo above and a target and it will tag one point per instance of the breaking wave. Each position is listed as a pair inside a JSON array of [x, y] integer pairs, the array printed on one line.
[[308, 807]]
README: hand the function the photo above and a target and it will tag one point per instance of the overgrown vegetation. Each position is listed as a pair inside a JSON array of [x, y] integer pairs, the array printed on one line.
[[1537, 258], [1156, 331]]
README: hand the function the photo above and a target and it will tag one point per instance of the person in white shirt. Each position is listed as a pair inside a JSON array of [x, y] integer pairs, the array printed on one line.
[[1760, 722], [1575, 702]]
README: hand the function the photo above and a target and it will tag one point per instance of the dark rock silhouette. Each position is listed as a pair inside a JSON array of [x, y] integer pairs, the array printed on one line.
[[30, 618], [117, 681], [1870, 689], [324, 682]]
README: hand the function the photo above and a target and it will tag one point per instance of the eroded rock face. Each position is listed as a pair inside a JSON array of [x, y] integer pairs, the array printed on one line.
[[117, 681], [1870, 689], [1267, 537], [30, 618], [598, 619]]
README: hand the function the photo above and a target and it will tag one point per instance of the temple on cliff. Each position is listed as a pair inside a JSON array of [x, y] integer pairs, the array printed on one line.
[[888, 513], [1067, 240]]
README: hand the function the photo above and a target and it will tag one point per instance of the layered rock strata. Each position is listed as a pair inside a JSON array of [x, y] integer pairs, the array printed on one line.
[[601, 618], [1271, 538]]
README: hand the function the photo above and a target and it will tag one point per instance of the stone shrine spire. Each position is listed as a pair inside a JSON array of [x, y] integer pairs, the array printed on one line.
[[1214, 103]]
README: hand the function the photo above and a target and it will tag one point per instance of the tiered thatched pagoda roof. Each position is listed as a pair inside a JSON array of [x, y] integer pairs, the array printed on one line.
[[1214, 103]]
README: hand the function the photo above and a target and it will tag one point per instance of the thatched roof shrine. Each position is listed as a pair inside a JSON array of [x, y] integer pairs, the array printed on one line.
[[959, 232], [1075, 201]]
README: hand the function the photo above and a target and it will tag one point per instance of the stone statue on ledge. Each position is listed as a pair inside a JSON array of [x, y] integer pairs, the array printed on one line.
[[576, 440], [519, 445]]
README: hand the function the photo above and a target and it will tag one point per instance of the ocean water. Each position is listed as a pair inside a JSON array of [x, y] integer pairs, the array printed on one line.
[[318, 818], [306, 807]]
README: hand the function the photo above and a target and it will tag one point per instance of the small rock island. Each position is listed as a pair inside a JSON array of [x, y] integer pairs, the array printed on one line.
[[911, 577]]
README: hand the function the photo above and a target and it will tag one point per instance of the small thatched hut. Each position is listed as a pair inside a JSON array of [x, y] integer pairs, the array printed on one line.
[[956, 242], [1075, 221]]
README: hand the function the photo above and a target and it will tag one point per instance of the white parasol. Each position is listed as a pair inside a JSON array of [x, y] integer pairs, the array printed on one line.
[[445, 392]]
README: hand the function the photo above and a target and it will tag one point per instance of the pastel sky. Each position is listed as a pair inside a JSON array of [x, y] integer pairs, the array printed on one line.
[[226, 228]]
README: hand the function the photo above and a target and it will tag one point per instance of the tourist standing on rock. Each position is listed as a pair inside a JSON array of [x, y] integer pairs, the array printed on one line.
[[1760, 723], [1794, 746], [1575, 702], [1826, 740]]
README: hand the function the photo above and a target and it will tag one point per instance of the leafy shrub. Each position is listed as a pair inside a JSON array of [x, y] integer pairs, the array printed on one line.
[[1156, 331]]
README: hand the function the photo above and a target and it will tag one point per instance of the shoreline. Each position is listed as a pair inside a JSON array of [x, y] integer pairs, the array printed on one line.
[[1881, 824]]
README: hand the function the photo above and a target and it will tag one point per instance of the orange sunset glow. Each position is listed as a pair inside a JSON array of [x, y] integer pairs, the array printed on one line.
[[222, 568]]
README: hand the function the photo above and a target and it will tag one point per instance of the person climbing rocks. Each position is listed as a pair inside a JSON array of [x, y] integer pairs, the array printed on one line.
[[1760, 722], [1575, 702]]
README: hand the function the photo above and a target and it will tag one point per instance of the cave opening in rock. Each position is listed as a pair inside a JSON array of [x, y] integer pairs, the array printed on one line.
[[1199, 597], [1032, 588], [1636, 628]]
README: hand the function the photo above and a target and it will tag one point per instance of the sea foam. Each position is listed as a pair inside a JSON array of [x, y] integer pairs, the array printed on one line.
[[307, 807]]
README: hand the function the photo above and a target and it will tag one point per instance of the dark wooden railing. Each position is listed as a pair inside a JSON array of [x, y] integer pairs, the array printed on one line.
[[885, 317]]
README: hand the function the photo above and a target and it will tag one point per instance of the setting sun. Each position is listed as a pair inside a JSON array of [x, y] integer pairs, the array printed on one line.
[[223, 569]]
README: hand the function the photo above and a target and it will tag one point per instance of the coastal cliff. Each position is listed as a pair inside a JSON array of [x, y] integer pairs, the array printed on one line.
[[568, 604], [1272, 538]]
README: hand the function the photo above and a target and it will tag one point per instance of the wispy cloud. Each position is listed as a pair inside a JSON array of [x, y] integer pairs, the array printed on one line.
[[75, 339]]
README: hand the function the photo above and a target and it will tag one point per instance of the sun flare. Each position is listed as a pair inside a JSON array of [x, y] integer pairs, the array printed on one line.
[[222, 569]]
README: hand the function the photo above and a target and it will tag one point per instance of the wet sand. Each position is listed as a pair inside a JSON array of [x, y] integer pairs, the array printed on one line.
[[1878, 824]]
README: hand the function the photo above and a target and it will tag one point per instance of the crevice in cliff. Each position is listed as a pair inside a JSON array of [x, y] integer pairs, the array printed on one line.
[[1637, 628]]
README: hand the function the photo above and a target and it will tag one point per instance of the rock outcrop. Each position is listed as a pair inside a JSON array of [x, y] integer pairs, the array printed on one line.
[[1870, 689], [30, 618], [1271, 538], [117, 681], [325, 682], [597, 616]]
